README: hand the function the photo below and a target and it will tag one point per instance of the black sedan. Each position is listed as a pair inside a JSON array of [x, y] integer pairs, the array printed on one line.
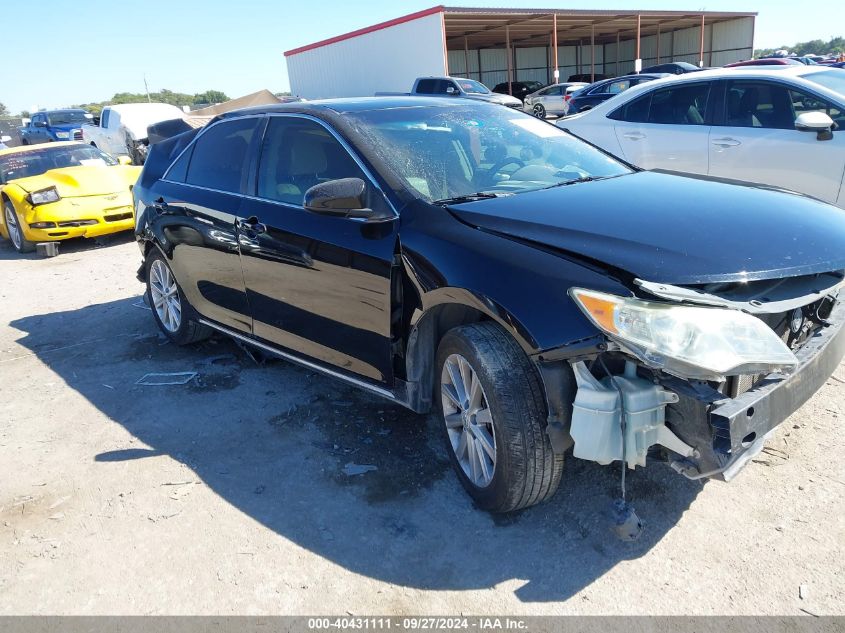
[[601, 91], [538, 294], [518, 89], [672, 68]]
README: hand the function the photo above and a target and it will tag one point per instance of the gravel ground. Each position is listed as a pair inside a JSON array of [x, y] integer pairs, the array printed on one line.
[[228, 495]]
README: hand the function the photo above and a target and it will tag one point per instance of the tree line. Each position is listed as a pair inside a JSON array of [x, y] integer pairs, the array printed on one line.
[[835, 45]]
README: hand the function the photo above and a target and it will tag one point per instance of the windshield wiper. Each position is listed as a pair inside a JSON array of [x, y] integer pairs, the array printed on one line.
[[575, 181], [469, 197]]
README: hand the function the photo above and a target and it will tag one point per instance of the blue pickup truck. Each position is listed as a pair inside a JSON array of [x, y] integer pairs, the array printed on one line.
[[55, 125]]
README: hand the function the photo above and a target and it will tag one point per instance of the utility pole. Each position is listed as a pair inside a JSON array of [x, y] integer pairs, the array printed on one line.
[[147, 89]]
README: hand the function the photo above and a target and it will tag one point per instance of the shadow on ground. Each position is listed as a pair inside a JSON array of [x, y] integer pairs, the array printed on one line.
[[69, 247], [278, 443]]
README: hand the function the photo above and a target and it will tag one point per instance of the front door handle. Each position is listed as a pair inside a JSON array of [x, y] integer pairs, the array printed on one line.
[[726, 142], [253, 225], [634, 136]]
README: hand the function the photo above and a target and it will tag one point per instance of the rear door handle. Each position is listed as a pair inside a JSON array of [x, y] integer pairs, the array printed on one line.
[[634, 136], [253, 225], [726, 142]]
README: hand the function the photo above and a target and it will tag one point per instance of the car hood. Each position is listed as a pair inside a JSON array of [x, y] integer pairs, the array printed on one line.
[[673, 229], [82, 181]]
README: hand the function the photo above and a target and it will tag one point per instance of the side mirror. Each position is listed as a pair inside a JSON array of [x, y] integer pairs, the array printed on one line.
[[345, 197], [451, 90], [124, 160], [817, 122]]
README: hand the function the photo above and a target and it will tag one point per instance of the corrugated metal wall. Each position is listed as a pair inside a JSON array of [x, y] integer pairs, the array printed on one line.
[[387, 60]]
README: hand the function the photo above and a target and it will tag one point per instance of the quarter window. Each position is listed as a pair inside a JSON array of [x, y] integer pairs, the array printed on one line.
[[220, 157], [296, 155]]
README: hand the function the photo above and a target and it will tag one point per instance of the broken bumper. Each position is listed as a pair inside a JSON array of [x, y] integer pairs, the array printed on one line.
[[740, 426]]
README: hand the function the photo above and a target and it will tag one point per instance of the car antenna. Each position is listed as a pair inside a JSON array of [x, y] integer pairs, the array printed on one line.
[[626, 524]]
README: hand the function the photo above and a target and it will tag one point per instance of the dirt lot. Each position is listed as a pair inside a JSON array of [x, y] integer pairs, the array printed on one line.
[[228, 494]]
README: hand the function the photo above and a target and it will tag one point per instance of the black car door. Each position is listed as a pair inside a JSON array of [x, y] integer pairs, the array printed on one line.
[[317, 285], [198, 202]]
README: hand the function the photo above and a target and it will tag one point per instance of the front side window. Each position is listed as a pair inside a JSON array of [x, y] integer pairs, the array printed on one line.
[[803, 102], [442, 153], [220, 158], [680, 105], [296, 155]]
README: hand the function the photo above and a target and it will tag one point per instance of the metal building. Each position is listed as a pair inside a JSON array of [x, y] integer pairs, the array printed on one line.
[[501, 45]]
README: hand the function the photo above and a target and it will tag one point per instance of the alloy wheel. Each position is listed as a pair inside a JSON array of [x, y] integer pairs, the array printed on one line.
[[468, 419], [165, 296], [12, 226], [540, 111]]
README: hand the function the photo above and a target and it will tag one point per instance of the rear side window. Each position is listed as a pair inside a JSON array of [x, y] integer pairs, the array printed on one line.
[[635, 111], [220, 157], [679, 105], [554, 91], [104, 118], [615, 87], [296, 155], [426, 86]]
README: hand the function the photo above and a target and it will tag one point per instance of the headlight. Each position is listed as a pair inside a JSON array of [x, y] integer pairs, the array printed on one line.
[[688, 341], [44, 196], [62, 134]]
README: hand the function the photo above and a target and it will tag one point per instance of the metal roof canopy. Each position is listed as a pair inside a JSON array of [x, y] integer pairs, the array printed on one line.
[[486, 28]]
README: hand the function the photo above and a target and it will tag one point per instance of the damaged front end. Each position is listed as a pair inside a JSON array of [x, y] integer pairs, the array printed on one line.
[[704, 398]]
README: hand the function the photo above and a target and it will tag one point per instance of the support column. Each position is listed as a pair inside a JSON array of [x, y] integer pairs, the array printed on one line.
[[508, 48], [592, 53], [701, 46], [618, 52], [638, 62], [554, 48], [658, 42], [466, 56]]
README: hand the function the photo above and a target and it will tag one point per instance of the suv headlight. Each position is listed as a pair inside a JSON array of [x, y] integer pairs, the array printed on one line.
[[689, 341], [44, 196]]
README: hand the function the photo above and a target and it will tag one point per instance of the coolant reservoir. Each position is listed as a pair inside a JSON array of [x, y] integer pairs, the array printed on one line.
[[597, 417]]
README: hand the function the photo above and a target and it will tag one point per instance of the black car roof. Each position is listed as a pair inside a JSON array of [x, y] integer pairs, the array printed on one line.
[[360, 104]]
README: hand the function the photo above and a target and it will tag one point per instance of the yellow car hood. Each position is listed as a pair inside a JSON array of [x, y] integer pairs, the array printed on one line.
[[71, 182]]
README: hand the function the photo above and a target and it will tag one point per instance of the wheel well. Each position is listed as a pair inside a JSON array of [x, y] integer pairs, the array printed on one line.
[[422, 345]]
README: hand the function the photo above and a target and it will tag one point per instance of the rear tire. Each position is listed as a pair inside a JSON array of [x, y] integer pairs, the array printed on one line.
[[171, 310], [511, 402], [13, 227], [540, 111]]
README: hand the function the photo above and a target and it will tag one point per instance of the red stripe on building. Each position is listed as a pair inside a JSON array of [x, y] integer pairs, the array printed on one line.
[[370, 29]]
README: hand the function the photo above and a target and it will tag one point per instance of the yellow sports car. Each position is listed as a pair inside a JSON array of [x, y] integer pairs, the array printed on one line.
[[63, 190]]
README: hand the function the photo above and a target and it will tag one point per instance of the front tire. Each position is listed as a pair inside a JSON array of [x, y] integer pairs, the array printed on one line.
[[170, 308], [540, 111], [493, 413], [15, 230]]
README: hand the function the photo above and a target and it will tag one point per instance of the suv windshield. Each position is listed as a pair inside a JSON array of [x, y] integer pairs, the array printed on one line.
[[63, 118], [446, 153], [472, 87], [830, 79], [34, 162]]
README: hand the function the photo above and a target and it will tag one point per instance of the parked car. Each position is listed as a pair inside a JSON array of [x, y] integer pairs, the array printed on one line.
[[518, 89], [63, 190], [456, 87], [552, 99], [599, 92], [672, 68], [54, 125], [122, 129], [587, 78], [781, 128], [766, 61], [535, 291]]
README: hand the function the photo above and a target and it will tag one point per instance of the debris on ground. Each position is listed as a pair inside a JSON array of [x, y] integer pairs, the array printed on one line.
[[626, 524], [162, 379], [351, 469], [802, 592]]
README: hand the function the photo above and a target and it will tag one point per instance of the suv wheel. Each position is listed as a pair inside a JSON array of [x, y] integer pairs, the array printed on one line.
[[13, 228], [494, 419], [170, 308]]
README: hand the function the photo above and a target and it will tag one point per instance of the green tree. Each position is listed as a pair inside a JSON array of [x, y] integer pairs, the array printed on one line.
[[835, 46], [3, 110], [24, 114], [209, 97]]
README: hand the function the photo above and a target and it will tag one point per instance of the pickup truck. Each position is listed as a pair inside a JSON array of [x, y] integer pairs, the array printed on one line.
[[456, 87], [122, 129], [54, 125]]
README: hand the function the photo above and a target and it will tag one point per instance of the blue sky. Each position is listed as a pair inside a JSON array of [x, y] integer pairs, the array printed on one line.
[[73, 51]]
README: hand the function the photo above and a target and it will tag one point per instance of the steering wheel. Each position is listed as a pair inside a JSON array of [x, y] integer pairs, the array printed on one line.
[[491, 173]]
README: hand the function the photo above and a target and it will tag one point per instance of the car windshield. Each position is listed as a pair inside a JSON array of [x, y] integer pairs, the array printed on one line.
[[473, 87], [830, 79], [34, 162], [446, 153], [63, 118]]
